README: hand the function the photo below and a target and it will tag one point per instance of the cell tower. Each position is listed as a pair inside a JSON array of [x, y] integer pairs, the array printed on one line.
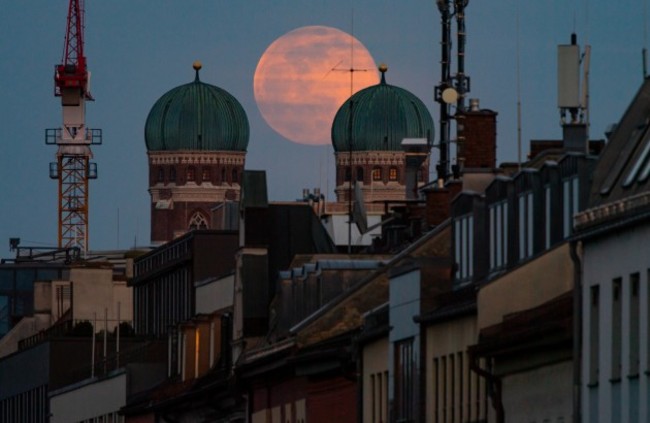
[[73, 168]]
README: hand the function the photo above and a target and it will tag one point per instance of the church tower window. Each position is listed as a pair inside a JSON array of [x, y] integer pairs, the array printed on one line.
[[376, 174], [392, 174], [198, 221], [205, 176], [360, 174], [191, 173], [172, 174]]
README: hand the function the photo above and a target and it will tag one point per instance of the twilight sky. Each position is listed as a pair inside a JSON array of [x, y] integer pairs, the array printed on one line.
[[138, 50]]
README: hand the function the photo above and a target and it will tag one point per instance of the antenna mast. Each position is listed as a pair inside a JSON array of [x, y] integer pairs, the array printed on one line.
[[73, 168], [450, 89]]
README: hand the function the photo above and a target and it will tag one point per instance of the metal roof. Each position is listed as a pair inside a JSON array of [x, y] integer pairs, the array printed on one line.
[[624, 166], [382, 116], [197, 116]]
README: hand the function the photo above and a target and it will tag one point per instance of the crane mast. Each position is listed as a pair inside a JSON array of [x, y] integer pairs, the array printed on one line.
[[73, 168]]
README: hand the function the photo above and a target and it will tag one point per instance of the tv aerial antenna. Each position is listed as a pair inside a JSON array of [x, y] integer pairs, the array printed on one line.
[[351, 180]]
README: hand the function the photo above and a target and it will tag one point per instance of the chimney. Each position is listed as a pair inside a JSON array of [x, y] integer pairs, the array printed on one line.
[[574, 136], [417, 151], [477, 137], [438, 206]]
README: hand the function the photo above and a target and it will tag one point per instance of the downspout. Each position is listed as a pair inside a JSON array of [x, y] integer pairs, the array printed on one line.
[[493, 383], [577, 331]]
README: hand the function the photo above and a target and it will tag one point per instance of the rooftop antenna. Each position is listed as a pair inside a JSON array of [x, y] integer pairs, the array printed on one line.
[[644, 50], [444, 91], [351, 181], [518, 70], [573, 101]]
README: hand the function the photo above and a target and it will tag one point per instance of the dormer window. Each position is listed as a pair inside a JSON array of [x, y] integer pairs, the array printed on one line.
[[464, 246], [547, 216], [498, 234], [525, 222], [570, 204]]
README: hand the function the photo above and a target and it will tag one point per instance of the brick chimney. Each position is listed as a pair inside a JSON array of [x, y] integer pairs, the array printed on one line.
[[477, 137], [438, 205]]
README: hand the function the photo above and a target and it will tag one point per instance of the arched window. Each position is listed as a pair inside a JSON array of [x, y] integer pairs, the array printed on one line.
[[172, 174], [360, 174], [393, 174], [234, 176], [191, 173], [376, 174], [198, 221], [161, 174], [205, 175], [347, 175], [223, 175]]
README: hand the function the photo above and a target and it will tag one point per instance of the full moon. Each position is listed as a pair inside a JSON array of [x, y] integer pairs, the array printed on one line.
[[304, 76]]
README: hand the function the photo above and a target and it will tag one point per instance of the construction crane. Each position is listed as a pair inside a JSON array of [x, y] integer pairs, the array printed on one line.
[[73, 168]]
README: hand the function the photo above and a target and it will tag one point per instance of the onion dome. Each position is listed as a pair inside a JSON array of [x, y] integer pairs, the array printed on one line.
[[382, 116], [197, 116]]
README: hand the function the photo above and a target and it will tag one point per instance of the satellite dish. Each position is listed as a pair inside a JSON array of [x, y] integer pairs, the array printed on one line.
[[359, 214], [450, 96]]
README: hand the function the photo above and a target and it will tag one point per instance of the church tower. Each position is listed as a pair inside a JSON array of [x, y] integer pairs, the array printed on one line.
[[196, 136], [367, 135]]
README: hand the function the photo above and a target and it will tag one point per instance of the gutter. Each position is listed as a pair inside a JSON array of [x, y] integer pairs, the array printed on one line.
[[493, 383]]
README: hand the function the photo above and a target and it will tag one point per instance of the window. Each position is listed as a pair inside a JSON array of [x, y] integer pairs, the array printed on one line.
[[198, 221], [498, 215], [379, 396], [464, 246], [616, 329], [594, 334], [376, 174], [404, 398], [570, 196], [347, 174], [235, 176], [547, 217], [634, 325], [393, 174], [161, 174], [525, 204], [360, 174], [191, 174], [205, 174], [172, 174], [223, 175]]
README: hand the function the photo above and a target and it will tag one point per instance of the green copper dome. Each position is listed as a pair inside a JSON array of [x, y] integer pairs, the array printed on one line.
[[382, 116], [197, 116]]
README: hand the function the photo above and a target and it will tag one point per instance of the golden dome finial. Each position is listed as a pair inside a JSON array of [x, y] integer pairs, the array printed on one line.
[[383, 68], [197, 65]]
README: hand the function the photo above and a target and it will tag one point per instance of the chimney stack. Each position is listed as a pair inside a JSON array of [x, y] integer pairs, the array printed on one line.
[[477, 137]]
